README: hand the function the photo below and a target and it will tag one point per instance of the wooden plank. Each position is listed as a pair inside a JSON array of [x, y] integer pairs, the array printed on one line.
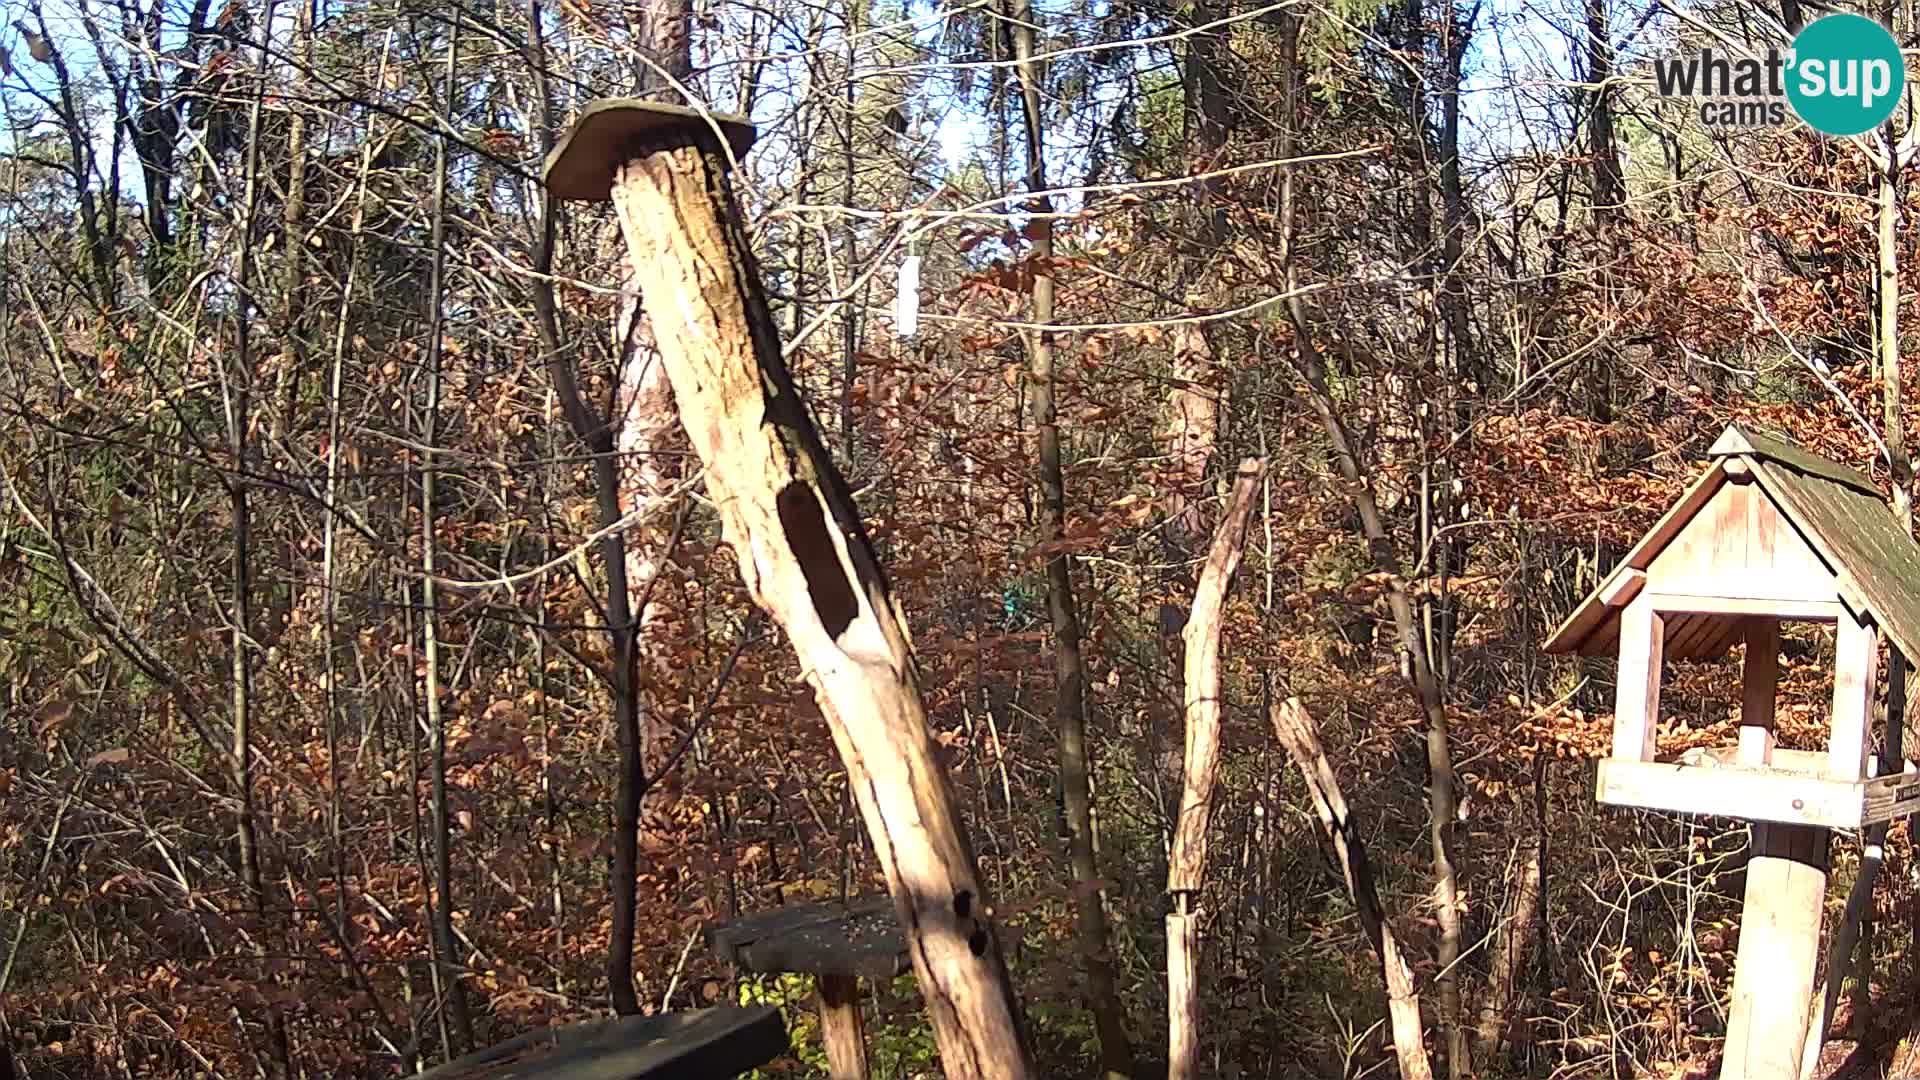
[[861, 940], [1686, 635], [1783, 553], [1730, 541], [1636, 703], [1811, 763], [1779, 947], [1572, 633], [1804, 610], [699, 1042], [1759, 681], [727, 938], [1890, 797], [1731, 791], [1739, 546], [1856, 664], [1724, 633], [842, 1031], [1622, 588]]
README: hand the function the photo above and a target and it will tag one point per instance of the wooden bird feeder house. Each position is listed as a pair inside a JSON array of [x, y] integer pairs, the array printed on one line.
[[1768, 533]]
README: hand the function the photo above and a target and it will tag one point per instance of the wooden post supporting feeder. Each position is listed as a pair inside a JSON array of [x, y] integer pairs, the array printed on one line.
[[1768, 533], [792, 524]]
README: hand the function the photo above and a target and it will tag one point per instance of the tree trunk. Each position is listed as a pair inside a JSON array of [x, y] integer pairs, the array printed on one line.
[[245, 459], [1194, 400], [1413, 648], [596, 433], [430, 615], [1187, 862], [806, 559], [1294, 726], [1609, 185], [1070, 673], [1511, 944], [646, 440]]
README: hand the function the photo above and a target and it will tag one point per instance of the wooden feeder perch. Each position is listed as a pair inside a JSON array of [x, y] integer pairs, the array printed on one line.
[[837, 945], [1768, 533], [698, 1042]]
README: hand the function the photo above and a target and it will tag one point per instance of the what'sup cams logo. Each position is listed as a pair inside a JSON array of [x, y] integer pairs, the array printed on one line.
[[1843, 76]]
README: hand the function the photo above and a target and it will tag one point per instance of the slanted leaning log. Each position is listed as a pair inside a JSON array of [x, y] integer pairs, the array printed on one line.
[[791, 522]]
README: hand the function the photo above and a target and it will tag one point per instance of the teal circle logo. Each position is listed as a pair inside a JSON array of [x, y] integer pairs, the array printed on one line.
[[1846, 74]]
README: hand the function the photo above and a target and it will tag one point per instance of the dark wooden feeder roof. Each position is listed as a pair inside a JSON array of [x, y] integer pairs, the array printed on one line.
[[1829, 515], [581, 166], [862, 939], [696, 1043]]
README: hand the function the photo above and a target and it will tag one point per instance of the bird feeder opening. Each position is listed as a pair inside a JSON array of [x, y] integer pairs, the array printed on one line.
[[1767, 534]]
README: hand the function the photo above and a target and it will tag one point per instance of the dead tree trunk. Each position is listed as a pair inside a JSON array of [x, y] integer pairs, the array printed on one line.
[[1511, 943], [791, 521], [1298, 734], [1186, 865]]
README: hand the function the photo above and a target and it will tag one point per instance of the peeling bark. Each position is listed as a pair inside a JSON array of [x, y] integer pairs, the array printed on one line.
[[807, 561]]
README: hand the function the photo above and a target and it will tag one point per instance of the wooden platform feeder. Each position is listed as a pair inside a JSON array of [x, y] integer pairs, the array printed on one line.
[[1768, 533], [698, 1042], [836, 944]]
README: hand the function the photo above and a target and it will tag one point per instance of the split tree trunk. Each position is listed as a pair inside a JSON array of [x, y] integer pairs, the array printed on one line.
[[1187, 863], [1294, 726], [791, 521]]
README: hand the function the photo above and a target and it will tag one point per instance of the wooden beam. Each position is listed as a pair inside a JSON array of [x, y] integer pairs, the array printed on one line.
[[1636, 702], [718, 1042], [1623, 588], [1779, 945], [1804, 610], [1890, 797], [1759, 679], [1732, 791], [841, 1029], [1856, 662]]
